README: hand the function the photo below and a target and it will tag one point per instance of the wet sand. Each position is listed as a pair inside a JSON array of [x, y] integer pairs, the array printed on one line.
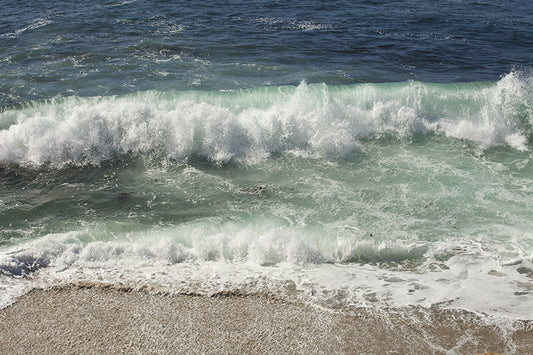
[[98, 319]]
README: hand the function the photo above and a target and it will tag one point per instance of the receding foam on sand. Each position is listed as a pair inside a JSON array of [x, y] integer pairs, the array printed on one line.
[[100, 319]]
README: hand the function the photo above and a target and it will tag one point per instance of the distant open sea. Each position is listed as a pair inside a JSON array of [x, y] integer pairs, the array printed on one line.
[[345, 153]]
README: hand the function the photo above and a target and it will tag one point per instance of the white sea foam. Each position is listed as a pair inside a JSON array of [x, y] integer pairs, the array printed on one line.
[[280, 260], [295, 24], [249, 125], [39, 22]]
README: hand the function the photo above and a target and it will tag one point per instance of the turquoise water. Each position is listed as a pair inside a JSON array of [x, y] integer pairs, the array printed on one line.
[[312, 177], [320, 154]]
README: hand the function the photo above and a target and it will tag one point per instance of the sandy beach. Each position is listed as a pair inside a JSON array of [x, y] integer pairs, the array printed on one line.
[[100, 319]]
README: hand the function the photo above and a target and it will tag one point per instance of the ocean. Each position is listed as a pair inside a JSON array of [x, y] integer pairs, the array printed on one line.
[[343, 153]]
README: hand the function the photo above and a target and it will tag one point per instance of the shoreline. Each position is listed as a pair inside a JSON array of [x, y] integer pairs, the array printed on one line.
[[103, 319]]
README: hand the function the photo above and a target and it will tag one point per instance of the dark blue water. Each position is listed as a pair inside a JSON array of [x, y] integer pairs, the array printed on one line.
[[91, 48]]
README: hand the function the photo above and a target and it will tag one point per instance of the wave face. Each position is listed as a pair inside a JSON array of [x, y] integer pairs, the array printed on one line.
[[249, 125]]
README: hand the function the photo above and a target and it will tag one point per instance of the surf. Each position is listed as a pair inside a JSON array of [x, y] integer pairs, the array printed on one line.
[[319, 120]]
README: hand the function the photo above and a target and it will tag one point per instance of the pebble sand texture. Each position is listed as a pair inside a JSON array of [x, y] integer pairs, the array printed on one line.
[[100, 320]]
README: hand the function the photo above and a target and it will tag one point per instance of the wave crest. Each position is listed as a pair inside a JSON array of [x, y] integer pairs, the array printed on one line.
[[249, 125]]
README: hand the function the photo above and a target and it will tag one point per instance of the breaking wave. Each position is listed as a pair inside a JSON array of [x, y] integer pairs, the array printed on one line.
[[251, 125]]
